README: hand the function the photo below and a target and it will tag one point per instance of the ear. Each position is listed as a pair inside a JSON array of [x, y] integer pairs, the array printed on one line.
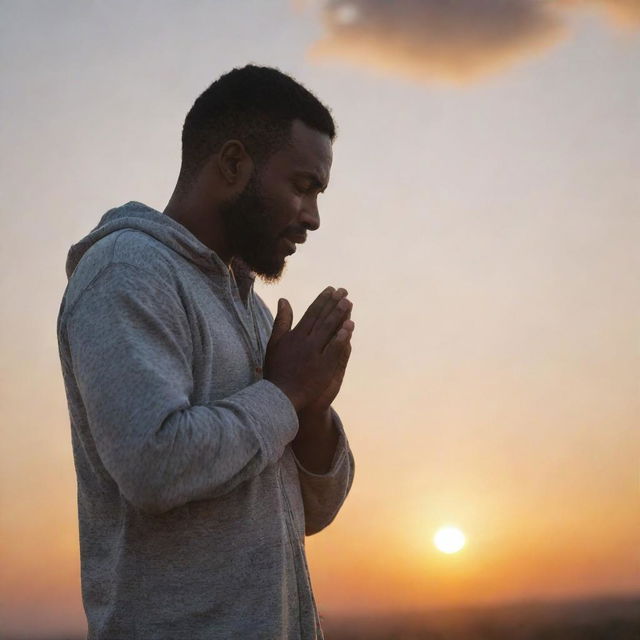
[[234, 163]]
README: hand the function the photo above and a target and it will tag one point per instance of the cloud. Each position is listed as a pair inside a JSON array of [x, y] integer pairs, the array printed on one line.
[[624, 12], [450, 40], [454, 41]]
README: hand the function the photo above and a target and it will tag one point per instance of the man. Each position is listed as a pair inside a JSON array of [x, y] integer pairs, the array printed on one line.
[[204, 440]]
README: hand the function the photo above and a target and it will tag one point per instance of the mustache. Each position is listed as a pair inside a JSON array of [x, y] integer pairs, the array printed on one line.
[[295, 233]]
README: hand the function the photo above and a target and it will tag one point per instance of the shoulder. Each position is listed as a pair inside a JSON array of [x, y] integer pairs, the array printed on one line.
[[124, 263], [127, 287], [144, 252], [130, 246]]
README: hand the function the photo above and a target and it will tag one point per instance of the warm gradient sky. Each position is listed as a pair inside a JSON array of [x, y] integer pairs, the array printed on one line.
[[483, 213]]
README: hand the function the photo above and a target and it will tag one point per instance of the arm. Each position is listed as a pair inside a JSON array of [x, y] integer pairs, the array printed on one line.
[[325, 467], [320, 449], [130, 348]]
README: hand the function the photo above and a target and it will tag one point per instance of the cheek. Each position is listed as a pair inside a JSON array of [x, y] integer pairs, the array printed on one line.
[[286, 213]]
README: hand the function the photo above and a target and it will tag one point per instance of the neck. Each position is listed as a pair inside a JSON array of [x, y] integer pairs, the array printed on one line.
[[202, 220]]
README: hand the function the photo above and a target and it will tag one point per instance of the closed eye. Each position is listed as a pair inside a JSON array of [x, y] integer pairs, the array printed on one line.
[[307, 189], [307, 183]]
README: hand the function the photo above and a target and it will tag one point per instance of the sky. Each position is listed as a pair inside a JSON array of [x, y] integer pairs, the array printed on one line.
[[483, 214]]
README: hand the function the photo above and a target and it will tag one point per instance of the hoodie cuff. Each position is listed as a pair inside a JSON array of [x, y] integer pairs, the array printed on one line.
[[338, 457]]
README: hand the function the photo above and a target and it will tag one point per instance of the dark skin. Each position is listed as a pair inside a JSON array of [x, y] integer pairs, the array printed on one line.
[[237, 211]]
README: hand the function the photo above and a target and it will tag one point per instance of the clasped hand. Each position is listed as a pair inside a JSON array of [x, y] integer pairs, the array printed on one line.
[[308, 362]]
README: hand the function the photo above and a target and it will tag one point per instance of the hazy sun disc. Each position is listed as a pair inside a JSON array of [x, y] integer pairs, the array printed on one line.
[[449, 539]]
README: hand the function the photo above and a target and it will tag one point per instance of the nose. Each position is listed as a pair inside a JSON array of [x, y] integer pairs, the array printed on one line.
[[310, 216]]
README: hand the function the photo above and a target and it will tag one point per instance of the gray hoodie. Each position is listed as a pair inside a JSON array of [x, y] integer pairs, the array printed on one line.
[[192, 506]]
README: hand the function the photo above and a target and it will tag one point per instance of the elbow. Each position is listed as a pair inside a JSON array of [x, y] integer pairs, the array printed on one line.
[[144, 479], [150, 506], [316, 525], [310, 531]]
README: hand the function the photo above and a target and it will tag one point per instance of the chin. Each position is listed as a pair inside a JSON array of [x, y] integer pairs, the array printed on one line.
[[269, 271]]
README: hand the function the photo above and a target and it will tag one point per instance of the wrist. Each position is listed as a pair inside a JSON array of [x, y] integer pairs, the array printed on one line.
[[314, 411], [314, 422]]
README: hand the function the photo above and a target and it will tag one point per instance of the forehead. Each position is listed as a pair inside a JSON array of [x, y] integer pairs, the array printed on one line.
[[308, 150]]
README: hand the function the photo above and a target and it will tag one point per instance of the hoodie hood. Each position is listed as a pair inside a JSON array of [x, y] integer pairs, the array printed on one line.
[[139, 216]]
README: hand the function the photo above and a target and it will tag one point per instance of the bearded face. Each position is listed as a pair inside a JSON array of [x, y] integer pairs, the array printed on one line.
[[273, 213], [250, 222]]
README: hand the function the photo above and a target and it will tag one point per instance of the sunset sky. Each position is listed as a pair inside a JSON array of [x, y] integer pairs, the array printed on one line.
[[483, 213]]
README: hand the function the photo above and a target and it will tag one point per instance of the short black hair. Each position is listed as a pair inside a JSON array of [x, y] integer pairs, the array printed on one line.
[[256, 105]]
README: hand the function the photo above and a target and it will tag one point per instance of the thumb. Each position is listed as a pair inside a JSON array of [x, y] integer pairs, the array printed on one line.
[[283, 320]]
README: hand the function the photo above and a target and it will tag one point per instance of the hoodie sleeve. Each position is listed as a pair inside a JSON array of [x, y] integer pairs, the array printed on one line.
[[130, 348], [324, 494]]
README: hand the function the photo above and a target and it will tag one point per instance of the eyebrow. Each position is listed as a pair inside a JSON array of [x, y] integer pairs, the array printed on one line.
[[314, 179]]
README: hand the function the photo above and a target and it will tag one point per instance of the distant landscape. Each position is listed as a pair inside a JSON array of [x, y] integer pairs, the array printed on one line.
[[614, 618], [606, 618]]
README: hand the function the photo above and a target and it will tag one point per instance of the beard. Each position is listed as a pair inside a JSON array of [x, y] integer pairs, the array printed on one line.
[[248, 226]]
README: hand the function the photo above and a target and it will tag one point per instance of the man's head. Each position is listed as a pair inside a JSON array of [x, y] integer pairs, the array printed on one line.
[[263, 144]]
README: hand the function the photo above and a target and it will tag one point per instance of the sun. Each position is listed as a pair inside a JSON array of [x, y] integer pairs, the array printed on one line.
[[449, 539]]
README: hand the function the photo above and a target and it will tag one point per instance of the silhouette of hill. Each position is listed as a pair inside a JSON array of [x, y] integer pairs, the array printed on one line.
[[603, 618]]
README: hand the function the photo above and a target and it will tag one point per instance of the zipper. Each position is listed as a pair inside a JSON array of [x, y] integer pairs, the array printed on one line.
[[253, 317], [292, 541], [256, 349], [299, 552]]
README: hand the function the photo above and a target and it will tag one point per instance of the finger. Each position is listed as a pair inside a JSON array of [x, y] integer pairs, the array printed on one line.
[[329, 307], [283, 319], [324, 330], [339, 347], [315, 308], [349, 325]]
